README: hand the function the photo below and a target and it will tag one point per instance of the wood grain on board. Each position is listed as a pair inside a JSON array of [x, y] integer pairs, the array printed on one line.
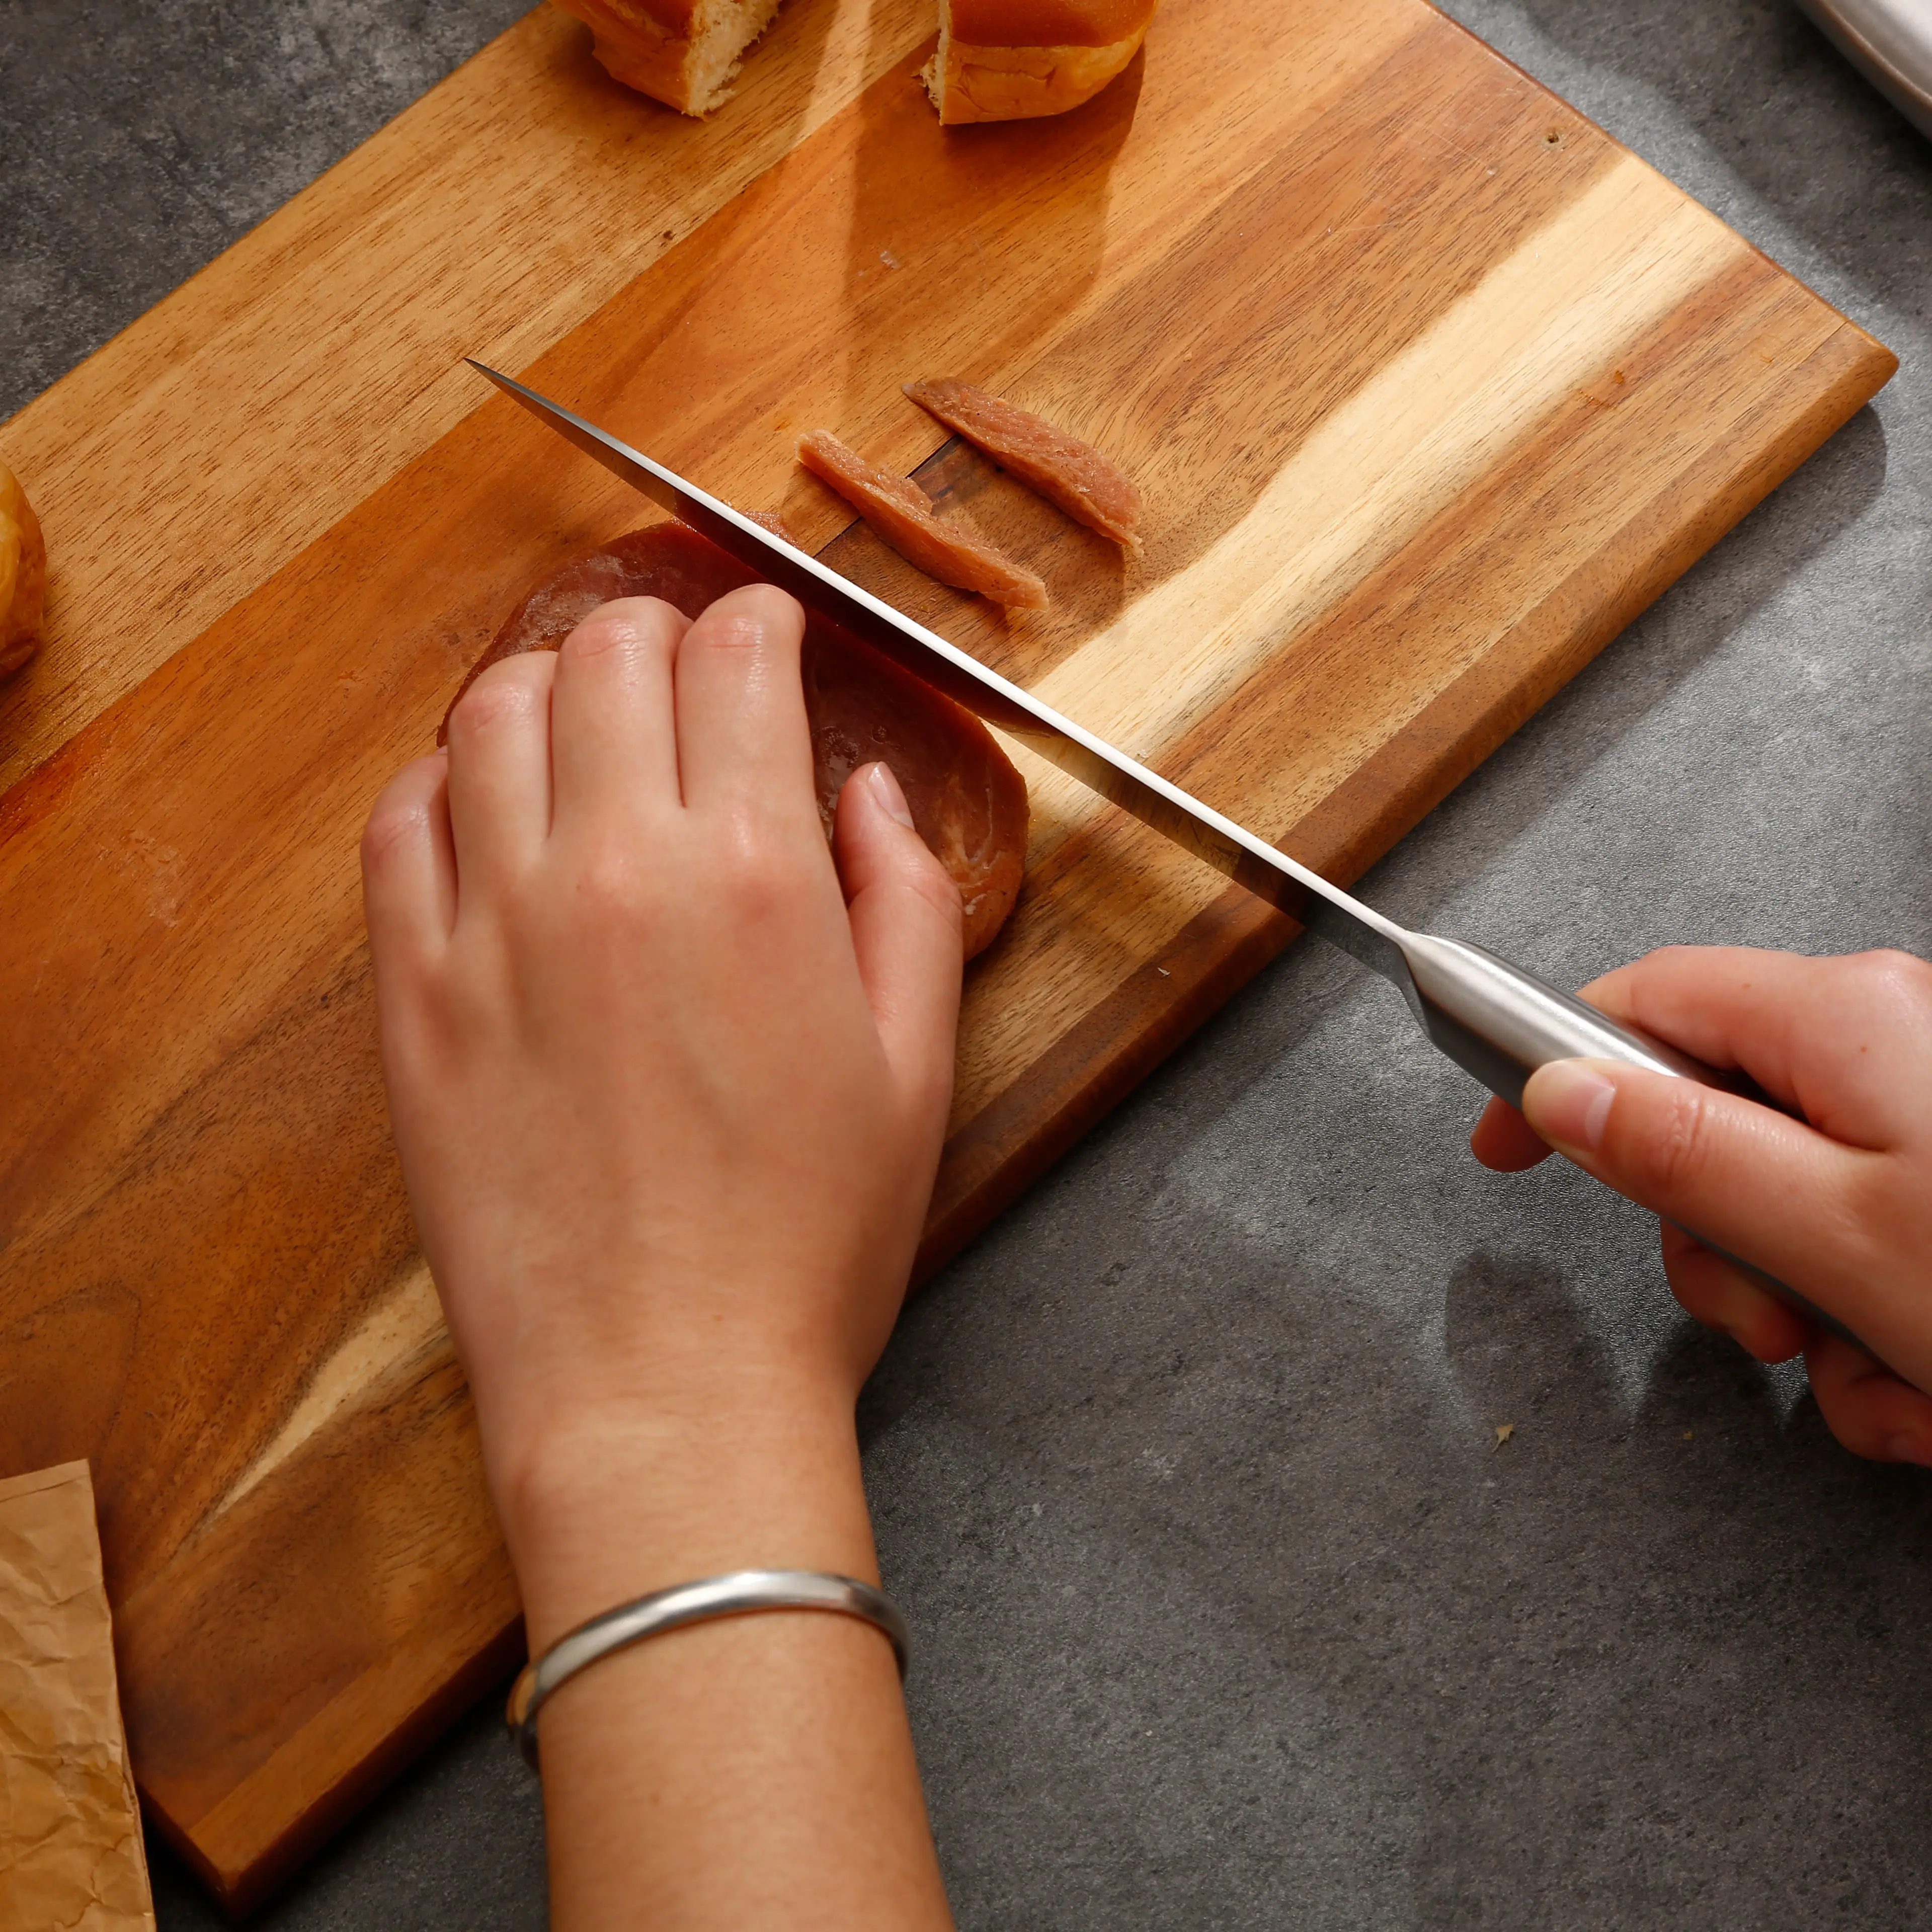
[[1431, 387], [204, 446]]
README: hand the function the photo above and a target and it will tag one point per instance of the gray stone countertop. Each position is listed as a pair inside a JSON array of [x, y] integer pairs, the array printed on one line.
[[1229, 1612]]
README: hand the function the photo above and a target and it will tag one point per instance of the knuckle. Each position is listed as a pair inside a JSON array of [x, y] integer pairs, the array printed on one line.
[[1675, 1156], [614, 880], [766, 604], [1895, 982], [1882, 1003], [504, 695], [403, 813], [467, 1006], [390, 825], [935, 885], [734, 633], [760, 888], [760, 871], [516, 904], [1873, 1196], [751, 619], [631, 626]]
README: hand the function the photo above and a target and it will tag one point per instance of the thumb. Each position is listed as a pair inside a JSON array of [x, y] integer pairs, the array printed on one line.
[[1768, 1188], [906, 921]]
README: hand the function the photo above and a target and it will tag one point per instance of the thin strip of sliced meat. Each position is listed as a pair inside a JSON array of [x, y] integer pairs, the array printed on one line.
[[1066, 471], [902, 513], [968, 802]]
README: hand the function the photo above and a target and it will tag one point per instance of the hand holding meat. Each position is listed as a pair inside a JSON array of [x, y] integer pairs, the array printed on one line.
[[1837, 1203], [968, 801], [669, 1103]]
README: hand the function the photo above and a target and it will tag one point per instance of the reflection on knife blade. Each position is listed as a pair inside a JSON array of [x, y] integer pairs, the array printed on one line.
[[1230, 848]]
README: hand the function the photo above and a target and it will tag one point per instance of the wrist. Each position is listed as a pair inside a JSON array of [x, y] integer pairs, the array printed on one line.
[[611, 1505]]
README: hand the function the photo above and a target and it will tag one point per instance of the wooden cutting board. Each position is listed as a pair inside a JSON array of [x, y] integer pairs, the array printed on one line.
[[1431, 386]]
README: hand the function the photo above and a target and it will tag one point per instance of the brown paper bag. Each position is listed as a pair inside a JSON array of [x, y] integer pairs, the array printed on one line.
[[71, 1850]]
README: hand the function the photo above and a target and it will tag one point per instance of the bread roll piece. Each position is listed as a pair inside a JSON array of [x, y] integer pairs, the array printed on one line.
[[683, 52], [23, 575], [1010, 60]]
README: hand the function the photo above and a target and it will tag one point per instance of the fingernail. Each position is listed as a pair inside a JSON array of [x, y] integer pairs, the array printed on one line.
[[886, 789], [1907, 1449], [1571, 1104]]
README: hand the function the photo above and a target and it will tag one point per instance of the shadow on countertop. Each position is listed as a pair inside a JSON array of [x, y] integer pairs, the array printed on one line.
[[1236, 1613]]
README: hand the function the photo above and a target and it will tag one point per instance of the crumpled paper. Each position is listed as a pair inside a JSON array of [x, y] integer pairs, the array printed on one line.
[[71, 1859]]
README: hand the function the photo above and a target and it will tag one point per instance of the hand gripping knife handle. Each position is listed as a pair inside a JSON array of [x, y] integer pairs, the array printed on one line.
[[1500, 1024]]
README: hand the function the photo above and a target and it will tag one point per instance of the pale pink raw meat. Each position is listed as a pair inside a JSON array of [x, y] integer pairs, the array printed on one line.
[[1066, 471], [902, 513]]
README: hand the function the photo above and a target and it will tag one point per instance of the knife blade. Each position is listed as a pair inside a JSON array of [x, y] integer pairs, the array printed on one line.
[[1494, 1019]]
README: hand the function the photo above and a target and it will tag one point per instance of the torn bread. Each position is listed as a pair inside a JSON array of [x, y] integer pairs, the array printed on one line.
[[1012, 60], [683, 52], [23, 575]]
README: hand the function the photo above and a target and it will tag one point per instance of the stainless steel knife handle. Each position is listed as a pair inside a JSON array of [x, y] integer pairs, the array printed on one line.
[[1501, 1024]]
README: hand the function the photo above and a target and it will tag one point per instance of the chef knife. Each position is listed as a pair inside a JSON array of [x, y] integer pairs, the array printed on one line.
[[1493, 1019]]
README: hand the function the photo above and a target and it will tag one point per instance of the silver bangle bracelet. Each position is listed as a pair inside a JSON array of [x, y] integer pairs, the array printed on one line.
[[740, 1593]]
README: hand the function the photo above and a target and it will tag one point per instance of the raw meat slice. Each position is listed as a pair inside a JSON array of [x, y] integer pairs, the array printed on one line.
[[902, 513], [967, 801], [1066, 471]]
